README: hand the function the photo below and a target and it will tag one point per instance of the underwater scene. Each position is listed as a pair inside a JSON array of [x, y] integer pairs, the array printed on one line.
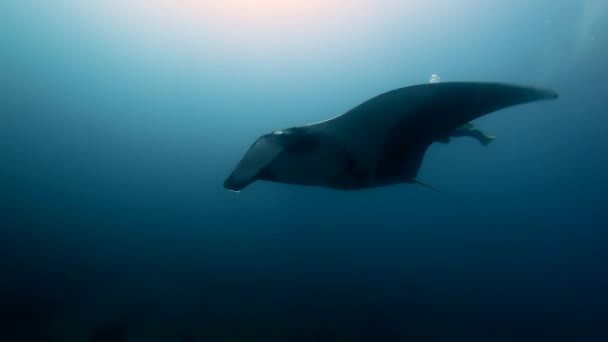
[[303, 170]]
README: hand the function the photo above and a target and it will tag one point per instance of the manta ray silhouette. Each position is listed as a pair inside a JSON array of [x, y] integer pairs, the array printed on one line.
[[378, 143]]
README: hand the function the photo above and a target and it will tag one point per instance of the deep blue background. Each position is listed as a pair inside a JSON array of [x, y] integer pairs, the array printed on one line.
[[114, 148]]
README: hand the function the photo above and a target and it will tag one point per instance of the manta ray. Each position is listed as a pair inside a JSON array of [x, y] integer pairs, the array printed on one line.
[[380, 142]]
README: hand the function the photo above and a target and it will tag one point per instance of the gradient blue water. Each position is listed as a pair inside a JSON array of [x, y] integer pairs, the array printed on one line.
[[114, 150]]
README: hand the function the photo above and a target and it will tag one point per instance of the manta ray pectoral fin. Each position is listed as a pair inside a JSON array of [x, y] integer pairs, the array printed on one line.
[[401, 159]]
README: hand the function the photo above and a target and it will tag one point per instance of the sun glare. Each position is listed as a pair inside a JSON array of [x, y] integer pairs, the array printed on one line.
[[242, 9]]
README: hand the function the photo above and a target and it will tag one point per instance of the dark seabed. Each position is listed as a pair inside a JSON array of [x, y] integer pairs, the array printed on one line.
[[120, 120]]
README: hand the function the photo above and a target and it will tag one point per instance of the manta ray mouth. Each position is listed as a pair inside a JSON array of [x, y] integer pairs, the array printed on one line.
[[257, 158]]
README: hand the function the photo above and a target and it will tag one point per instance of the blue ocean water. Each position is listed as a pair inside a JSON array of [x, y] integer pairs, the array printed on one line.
[[121, 120]]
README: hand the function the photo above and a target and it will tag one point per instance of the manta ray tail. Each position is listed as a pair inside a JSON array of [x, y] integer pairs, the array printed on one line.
[[439, 191]]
